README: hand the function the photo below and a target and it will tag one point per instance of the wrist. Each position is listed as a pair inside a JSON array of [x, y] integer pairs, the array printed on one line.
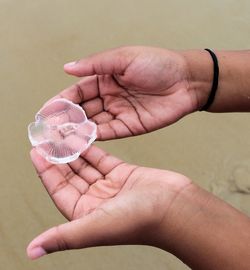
[[233, 86], [200, 74], [205, 232], [187, 203], [233, 89]]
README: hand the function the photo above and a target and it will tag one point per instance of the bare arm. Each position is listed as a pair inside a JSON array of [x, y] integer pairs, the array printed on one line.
[[134, 90], [233, 94], [207, 233]]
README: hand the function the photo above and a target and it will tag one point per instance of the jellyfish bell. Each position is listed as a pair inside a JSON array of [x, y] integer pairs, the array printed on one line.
[[61, 131]]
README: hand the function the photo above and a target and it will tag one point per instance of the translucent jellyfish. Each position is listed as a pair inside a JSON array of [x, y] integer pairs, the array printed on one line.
[[61, 131]]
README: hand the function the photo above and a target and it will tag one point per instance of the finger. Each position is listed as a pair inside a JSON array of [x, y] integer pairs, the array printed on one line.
[[109, 62], [84, 90], [114, 129], [93, 107], [96, 229], [102, 117], [63, 185], [101, 160], [82, 168]]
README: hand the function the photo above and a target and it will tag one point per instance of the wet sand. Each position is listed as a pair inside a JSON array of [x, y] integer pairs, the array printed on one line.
[[37, 38]]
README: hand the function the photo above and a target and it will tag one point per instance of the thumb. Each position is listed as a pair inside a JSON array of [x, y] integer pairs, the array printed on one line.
[[95, 229], [105, 63]]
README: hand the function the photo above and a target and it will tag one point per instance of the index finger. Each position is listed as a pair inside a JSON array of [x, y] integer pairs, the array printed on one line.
[[84, 90]]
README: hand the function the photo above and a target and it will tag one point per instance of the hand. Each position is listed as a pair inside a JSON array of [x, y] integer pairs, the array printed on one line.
[[106, 200], [133, 90]]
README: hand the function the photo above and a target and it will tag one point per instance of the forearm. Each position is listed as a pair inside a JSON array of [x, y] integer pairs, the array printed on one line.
[[233, 93], [206, 233]]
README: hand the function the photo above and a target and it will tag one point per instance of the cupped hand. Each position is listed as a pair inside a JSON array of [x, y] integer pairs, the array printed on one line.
[[132, 90], [107, 202]]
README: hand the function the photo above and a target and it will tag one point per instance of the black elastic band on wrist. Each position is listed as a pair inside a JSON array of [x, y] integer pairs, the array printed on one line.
[[215, 81]]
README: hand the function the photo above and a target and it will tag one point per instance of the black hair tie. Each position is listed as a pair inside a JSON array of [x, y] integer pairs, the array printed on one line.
[[215, 81]]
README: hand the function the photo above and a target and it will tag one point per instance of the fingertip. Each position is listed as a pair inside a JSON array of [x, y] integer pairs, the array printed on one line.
[[39, 246], [73, 70], [33, 153], [38, 161], [70, 68], [34, 253], [69, 65], [35, 156]]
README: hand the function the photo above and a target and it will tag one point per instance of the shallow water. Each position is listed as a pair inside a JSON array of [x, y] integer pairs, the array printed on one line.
[[37, 38]]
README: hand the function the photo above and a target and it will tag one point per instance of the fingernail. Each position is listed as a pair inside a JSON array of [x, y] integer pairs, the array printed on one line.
[[36, 253], [70, 64]]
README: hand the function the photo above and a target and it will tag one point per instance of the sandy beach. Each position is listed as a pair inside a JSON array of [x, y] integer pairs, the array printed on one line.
[[37, 38]]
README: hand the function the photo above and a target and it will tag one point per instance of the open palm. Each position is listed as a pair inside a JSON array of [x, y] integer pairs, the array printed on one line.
[[106, 200], [132, 90]]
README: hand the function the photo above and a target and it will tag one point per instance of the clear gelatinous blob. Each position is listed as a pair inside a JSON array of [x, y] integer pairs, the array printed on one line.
[[61, 131]]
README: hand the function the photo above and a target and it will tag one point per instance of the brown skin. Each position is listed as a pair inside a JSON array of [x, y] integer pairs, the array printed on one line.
[[137, 90], [107, 201], [233, 93], [131, 91], [110, 202]]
